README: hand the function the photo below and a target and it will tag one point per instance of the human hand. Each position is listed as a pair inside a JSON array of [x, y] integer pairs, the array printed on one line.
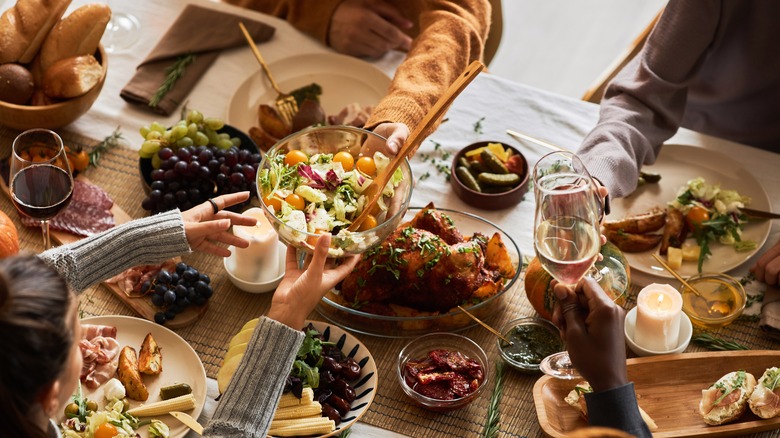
[[301, 289], [591, 324], [203, 226], [395, 133], [368, 28], [767, 268]]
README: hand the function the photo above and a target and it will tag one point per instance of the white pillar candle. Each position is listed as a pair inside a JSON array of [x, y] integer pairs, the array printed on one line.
[[259, 262], [658, 317]]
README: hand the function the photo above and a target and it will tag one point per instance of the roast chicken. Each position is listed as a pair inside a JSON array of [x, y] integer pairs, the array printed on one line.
[[426, 264]]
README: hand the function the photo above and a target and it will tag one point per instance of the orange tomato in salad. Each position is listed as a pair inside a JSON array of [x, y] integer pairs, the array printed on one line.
[[368, 223], [346, 160], [366, 165], [294, 157], [273, 201], [106, 430], [295, 201], [696, 216]]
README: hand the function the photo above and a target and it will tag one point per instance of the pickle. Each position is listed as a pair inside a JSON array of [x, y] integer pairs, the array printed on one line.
[[476, 168], [462, 161], [467, 179], [649, 177], [175, 390], [494, 179], [493, 163], [495, 189]]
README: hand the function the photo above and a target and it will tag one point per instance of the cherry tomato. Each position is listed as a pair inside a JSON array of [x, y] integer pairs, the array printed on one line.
[[696, 216], [312, 240], [366, 165], [106, 430], [346, 160], [79, 159], [273, 201], [295, 201], [294, 157], [368, 223]]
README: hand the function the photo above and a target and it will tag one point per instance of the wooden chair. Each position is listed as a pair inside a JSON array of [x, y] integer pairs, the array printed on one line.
[[596, 91], [495, 32]]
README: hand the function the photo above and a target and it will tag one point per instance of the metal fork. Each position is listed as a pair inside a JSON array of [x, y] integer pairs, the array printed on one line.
[[285, 103]]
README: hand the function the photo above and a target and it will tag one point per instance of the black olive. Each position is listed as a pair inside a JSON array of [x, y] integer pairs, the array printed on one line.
[[350, 369], [330, 412], [326, 378], [321, 395], [343, 390], [330, 364], [339, 403]]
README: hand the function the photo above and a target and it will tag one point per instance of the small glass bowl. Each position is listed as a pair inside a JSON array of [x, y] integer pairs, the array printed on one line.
[[420, 347], [722, 300], [526, 334]]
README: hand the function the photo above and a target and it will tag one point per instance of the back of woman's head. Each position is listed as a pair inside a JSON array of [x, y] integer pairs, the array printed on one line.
[[36, 337]]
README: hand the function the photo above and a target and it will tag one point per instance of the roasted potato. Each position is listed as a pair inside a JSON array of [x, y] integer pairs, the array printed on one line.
[[150, 359], [675, 230], [631, 242], [129, 376], [271, 122], [263, 140], [652, 220], [497, 256]]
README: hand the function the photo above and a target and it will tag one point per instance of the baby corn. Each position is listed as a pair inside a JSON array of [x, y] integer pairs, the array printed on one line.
[[289, 399], [307, 410], [181, 403], [303, 428]]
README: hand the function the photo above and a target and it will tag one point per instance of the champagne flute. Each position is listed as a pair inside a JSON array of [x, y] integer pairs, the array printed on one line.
[[121, 32], [567, 238], [41, 182]]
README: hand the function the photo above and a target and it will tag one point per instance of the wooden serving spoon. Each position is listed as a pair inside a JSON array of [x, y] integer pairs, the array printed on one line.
[[374, 190]]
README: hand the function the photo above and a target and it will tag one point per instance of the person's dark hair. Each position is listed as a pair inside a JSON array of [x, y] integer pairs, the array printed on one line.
[[36, 335]]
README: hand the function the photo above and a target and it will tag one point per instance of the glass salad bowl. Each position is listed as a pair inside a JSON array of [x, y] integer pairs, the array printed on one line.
[[311, 182]]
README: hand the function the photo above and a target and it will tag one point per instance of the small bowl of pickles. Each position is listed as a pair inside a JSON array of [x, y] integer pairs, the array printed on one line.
[[533, 339], [489, 175], [720, 300]]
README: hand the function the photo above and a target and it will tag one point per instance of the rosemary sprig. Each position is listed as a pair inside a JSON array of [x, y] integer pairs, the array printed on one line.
[[172, 74], [707, 340], [110, 141], [494, 414], [346, 433]]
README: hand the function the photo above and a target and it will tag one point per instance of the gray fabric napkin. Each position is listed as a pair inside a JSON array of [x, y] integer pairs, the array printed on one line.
[[200, 31]]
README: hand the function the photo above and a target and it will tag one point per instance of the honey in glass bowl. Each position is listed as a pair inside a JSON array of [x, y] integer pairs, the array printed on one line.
[[721, 301]]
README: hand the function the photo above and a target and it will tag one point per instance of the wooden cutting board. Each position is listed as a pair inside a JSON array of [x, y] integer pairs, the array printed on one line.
[[141, 305]]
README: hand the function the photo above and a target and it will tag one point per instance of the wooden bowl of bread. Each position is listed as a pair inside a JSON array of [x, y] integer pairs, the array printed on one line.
[[51, 68]]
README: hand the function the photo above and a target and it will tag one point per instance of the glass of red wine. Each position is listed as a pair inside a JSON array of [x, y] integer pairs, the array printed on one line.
[[567, 237], [40, 181]]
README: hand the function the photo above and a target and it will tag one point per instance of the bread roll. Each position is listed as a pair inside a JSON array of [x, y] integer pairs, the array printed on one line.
[[75, 35], [71, 77], [16, 84], [726, 400], [765, 401], [24, 26]]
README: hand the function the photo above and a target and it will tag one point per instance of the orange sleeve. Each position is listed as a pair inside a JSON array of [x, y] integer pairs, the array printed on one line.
[[310, 17]]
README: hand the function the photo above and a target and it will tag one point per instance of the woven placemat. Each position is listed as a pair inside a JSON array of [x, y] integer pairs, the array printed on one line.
[[230, 308]]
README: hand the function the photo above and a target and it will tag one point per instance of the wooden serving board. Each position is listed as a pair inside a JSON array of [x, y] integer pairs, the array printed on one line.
[[141, 305], [669, 389]]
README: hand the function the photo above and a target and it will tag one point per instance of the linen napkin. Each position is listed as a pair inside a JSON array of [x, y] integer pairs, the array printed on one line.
[[200, 31], [770, 313]]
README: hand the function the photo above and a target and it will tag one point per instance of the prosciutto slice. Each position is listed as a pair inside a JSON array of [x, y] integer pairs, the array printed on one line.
[[100, 351]]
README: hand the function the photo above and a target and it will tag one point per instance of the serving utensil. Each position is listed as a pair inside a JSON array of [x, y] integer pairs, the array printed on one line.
[[285, 102], [759, 213], [676, 275], [188, 421], [489, 328], [520, 136], [374, 190]]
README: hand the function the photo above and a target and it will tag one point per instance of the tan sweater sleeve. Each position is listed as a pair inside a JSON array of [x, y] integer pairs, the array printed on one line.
[[452, 34], [310, 17]]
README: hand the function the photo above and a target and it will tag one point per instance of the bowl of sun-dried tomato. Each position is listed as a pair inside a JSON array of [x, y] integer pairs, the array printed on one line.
[[442, 371]]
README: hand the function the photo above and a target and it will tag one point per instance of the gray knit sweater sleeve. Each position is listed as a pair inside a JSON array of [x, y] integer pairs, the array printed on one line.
[[247, 406], [143, 241]]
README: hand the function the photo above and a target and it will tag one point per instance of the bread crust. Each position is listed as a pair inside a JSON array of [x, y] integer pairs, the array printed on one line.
[[24, 26], [723, 414], [75, 35], [760, 394], [72, 77]]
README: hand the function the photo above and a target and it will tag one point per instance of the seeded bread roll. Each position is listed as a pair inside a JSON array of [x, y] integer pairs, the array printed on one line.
[[71, 77], [24, 26], [75, 35], [16, 84]]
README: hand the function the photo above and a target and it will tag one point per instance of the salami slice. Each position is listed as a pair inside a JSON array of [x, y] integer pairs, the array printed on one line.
[[89, 212]]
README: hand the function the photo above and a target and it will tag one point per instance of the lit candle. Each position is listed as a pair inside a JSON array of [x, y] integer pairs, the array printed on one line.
[[658, 308], [259, 261]]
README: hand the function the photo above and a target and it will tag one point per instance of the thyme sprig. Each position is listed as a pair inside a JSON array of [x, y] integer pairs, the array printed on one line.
[[110, 141], [707, 340], [172, 75], [494, 414]]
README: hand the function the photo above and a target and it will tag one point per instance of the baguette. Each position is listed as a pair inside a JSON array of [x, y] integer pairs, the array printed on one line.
[[726, 400], [77, 34], [24, 26], [764, 401], [72, 77]]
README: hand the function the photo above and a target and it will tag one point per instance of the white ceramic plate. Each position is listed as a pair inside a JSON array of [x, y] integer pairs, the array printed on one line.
[[677, 164], [181, 364], [365, 387], [344, 80]]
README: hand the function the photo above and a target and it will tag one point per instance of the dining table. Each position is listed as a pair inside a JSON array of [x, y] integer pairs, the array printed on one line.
[[482, 112]]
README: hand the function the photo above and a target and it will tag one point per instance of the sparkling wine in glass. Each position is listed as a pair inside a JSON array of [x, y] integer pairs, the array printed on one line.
[[567, 238], [40, 181]]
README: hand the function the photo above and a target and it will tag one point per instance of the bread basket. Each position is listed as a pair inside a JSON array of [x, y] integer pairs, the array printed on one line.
[[56, 115]]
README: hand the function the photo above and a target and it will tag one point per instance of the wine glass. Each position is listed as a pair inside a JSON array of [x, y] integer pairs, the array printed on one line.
[[121, 32], [41, 182], [567, 238]]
